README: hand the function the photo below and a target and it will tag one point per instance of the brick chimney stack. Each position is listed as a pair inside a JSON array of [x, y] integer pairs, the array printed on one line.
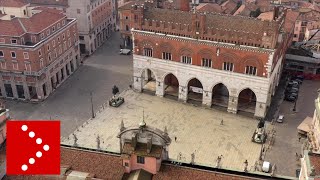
[[184, 5]]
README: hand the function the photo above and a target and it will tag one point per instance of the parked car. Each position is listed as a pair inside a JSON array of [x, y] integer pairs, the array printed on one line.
[[290, 98], [292, 91], [292, 86], [291, 83], [280, 119], [293, 94], [125, 51], [298, 80]]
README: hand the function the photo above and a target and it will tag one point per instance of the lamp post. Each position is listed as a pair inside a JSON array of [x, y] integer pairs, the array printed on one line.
[[92, 111], [295, 104]]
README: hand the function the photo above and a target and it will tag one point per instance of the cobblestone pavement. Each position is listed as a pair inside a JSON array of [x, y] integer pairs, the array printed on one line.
[[197, 130], [287, 143], [70, 103]]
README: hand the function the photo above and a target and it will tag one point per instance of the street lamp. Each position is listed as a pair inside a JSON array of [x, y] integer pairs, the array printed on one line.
[[295, 104], [92, 111]]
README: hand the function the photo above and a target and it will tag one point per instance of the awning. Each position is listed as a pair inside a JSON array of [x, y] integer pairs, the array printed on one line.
[[304, 127]]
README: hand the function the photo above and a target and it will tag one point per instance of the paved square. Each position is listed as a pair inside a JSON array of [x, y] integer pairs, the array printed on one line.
[[197, 130]]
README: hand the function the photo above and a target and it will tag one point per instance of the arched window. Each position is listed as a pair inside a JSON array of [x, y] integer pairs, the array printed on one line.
[[251, 70], [228, 66], [147, 52]]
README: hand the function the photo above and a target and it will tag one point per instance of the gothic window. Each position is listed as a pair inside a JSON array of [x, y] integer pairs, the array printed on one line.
[[186, 59], [251, 70], [147, 52], [228, 66], [206, 62], [166, 56]]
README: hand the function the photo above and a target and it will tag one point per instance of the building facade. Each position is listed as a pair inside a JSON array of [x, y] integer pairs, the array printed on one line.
[[210, 59], [96, 21], [37, 54], [308, 19], [310, 162]]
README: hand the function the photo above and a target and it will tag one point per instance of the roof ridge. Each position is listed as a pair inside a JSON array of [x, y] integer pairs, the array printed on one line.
[[24, 28]]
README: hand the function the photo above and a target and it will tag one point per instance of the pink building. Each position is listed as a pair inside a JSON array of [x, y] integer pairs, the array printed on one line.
[[143, 147]]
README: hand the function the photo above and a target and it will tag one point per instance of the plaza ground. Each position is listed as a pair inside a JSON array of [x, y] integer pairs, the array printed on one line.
[[197, 129], [70, 103]]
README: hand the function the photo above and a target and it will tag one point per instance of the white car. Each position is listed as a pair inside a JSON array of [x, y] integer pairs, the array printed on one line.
[[280, 119], [125, 51]]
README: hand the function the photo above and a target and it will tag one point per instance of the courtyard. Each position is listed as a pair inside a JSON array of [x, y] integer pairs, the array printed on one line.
[[198, 130]]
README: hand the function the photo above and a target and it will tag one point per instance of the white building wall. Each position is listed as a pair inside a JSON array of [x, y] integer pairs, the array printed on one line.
[[15, 11], [235, 82]]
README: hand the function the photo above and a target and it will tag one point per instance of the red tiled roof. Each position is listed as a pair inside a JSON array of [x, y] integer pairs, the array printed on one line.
[[290, 19], [210, 7], [11, 28], [38, 23], [315, 162], [309, 15], [170, 172], [35, 24], [103, 165], [13, 3]]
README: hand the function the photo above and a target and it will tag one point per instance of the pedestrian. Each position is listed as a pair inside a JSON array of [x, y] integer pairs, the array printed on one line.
[[221, 123], [299, 138], [175, 139]]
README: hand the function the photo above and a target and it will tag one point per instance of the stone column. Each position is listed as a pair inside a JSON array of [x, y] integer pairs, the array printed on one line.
[[233, 104], [48, 86], [54, 81], [26, 89], [207, 98], [3, 89], [64, 72], [183, 93], [39, 91], [69, 68], [137, 84], [59, 76], [261, 109], [75, 66], [159, 88], [14, 88]]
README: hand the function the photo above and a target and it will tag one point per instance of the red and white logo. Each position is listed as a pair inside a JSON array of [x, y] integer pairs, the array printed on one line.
[[33, 147]]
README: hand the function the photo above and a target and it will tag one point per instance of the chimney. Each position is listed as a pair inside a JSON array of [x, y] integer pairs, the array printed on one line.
[[149, 144], [184, 5], [134, 141]]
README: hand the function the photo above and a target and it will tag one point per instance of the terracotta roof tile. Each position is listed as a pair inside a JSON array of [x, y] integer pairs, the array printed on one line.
[[11, 28], [170, 172], [13, 3], [315, 162], [104, 166], [37, 23], [210, 7], [34, 24], [290, 19]]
